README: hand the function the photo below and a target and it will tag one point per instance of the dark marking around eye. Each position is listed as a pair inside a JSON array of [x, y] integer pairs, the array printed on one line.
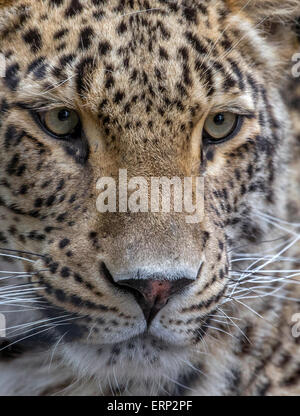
[[78, 149], [210, 155]]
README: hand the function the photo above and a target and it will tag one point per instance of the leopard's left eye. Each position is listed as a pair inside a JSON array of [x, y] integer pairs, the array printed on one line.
[[220, 127], [60, 122]]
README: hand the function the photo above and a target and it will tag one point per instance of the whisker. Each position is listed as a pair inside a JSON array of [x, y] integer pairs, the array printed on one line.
[[231, 319], [280, 227], [30, 336], [278, 219], [55, 348], [252, 310], [220, 330], [274, 258], [12, 273], [260, 243], [178, 383], [55, 323], [142, 11], [14, 276], [40, 321], [22, 252], [26, 309], [16, 257], [21, 302]]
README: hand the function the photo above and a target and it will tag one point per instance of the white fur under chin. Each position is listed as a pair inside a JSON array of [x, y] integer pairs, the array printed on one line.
[[151, 371], [77, 370]]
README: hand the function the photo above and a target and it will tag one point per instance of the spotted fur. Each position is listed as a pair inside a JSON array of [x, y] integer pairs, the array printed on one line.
[[143, 75]]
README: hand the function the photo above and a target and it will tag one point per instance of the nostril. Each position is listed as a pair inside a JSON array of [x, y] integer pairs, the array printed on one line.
[[153, 295], [152, 289], [109, 278]]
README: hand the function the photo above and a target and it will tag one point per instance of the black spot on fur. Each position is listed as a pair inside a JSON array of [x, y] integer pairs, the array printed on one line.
[[74, 9], [84, 68], [33, 38], [104, 48], [12, 79], [85, 38]]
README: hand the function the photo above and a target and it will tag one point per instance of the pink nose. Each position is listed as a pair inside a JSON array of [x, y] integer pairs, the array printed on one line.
[[153, 295]]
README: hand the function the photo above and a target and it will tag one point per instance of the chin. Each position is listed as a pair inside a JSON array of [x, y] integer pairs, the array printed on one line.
[[129, 366]]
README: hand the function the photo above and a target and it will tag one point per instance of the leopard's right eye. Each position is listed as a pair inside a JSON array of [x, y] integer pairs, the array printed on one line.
[[221, 127], [60, 122]]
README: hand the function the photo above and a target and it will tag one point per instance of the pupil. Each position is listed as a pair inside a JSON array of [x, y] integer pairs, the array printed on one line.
[[63, 115], [219, 119]]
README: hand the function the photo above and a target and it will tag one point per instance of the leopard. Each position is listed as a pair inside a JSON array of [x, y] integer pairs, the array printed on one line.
[[141, 302]]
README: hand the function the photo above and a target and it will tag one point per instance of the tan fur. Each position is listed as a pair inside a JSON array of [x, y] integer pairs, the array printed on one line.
[[143, 82]]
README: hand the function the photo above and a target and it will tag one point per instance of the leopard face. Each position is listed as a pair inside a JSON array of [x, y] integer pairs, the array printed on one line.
[[141, 79]]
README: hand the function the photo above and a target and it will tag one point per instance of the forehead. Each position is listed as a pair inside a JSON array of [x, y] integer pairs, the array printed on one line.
[[125, 58]]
